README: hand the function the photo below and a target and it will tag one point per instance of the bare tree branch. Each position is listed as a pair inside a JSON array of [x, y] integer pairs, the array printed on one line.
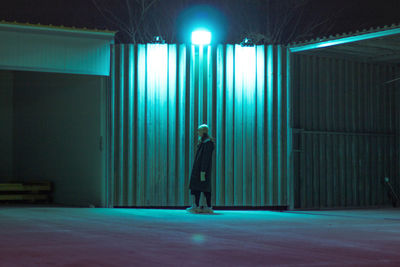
[[265, 21], [111, 17]]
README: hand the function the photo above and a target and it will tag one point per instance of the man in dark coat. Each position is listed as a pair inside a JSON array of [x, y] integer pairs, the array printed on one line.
[[200, 179]]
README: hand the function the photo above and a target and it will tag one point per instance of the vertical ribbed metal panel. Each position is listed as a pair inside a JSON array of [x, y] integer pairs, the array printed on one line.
[[161, 93], [396, 86], [344, 124]]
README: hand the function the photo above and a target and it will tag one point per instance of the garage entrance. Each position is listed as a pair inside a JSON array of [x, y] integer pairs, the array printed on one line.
[[346, 120], [52, 110]]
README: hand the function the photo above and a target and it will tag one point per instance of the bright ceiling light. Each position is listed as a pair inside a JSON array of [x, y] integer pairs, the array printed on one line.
[[201, 37]]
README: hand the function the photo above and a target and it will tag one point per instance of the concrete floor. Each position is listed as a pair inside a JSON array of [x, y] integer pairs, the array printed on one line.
[[129, 237]]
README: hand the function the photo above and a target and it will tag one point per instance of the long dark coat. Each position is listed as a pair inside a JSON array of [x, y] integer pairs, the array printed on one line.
[[202, 163]]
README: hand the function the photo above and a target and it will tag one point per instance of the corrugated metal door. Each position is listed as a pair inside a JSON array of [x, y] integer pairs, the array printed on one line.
[[159, 95], [345, 132]]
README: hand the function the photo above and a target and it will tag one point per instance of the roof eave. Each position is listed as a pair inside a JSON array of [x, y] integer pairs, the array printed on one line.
[[57, 29], [345, 40]]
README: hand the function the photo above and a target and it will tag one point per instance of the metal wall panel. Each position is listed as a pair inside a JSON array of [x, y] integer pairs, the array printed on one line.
[[159, 95], [28, 48], [397, 110], [344, 126]]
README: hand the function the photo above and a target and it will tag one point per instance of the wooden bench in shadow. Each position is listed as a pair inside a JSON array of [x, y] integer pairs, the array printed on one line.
[[31, 192]]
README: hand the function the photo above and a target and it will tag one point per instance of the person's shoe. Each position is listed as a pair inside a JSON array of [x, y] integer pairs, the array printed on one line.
[[193, 209], [207, 210]]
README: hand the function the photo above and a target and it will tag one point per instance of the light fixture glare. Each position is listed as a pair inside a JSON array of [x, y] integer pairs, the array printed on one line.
[[247, 42], [201, 37]]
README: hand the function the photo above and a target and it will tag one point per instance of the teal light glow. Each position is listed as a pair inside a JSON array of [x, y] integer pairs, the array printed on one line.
[[201, 37], [245, 116], [198, 239], [245, 68], [157, 64]]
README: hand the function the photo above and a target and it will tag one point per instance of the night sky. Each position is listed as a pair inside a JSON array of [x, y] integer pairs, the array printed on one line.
[[351, 15]]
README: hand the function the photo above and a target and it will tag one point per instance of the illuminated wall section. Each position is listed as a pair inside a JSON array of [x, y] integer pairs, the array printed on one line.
[[252, 99], [159, 95], [148, 138], [244, 117]]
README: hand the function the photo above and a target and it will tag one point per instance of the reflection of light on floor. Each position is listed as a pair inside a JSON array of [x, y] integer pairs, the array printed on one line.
[[198, 238]]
